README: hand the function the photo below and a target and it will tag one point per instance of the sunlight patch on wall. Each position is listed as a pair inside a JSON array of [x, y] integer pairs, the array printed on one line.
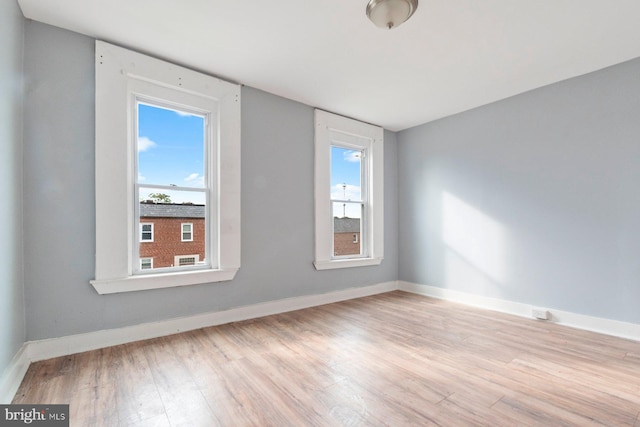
[[476, 237]]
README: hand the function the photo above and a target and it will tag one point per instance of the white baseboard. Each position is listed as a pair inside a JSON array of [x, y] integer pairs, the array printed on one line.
[[13, 375], [55, 347], [580, 321], [34, 351]]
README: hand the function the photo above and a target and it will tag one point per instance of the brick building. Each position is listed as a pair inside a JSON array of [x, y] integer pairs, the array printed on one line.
[[346, 236], [171, 234]]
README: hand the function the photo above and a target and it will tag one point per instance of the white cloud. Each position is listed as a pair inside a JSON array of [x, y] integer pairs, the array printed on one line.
[[183, 113], [195, 179], [352, 156], [145, 143], [141, 178]]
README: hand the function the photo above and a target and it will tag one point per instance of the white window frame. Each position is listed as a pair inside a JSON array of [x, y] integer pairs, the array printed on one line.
[[334, 130], [182, 239], [121, 75], [142, 224], [150, 262]]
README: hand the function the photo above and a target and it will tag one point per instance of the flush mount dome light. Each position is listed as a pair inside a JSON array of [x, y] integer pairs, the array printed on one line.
[[390, 13]]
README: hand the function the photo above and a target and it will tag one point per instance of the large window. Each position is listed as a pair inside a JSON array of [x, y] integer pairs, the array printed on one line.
[[167, 148], [172, 147], [348, 192]]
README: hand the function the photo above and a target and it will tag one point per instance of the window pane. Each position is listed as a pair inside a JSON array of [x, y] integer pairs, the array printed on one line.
[[170, 230], [187, 261], [146, 232], [347, 228], [170, 147], [346, 186], [347, 209], [186, 232], [346, 174]]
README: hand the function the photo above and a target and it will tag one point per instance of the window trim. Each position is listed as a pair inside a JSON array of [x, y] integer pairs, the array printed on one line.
[[118, 70], [182, 239], [331, 129]]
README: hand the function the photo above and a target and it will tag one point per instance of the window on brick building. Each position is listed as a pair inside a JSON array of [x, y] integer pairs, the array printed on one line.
[[146, 232], [187, 232], [165, 136], [186, 260]]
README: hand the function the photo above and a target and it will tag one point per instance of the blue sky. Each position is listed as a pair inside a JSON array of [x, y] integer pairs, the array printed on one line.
[[170, 151], [345, 180]]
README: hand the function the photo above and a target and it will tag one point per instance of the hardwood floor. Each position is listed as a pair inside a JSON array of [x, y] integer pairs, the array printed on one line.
[[392, 359]]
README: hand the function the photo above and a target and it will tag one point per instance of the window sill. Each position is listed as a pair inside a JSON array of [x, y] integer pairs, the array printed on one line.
[[165, 280], [346, 263]]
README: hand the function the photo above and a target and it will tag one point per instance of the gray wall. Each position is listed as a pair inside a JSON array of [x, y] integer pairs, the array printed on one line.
[[533, 199], [12, 319], [277, 204]]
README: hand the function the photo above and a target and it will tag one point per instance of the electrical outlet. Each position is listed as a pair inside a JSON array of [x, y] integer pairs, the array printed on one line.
[[540, 313]]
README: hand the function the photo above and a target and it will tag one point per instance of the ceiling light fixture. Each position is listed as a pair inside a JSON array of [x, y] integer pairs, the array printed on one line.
[[390, 13]]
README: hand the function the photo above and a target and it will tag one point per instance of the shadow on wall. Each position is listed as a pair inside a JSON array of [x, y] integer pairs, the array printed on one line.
[[476, 247]]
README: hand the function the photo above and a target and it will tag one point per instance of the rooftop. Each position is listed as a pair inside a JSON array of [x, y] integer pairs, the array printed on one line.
[[346, 225], [171, 210]]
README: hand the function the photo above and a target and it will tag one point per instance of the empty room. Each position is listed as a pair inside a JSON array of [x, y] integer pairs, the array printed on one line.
[[336, 213]]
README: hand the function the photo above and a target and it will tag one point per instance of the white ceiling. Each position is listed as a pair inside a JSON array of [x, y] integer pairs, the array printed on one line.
[[452, 55]]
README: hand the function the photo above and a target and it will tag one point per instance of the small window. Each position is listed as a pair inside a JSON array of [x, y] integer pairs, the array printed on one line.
[[349, 197], [146, 232], [146, 263], [187, 232], [348, 200], [186, 260]]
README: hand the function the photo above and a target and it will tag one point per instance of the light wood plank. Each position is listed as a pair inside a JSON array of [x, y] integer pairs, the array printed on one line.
[[390, 359]]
